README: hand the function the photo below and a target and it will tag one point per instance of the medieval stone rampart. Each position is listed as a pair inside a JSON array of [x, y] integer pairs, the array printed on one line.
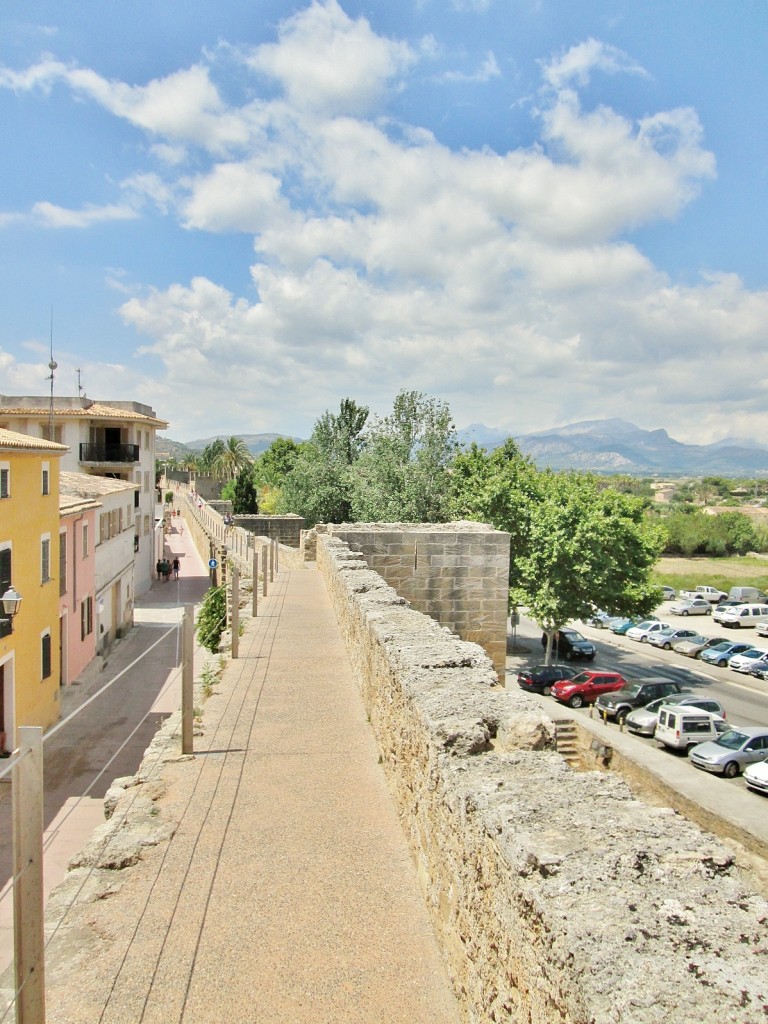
[[557, 896], [457, 573]]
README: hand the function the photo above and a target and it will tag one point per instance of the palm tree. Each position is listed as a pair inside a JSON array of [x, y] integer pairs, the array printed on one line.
[[234, 457]]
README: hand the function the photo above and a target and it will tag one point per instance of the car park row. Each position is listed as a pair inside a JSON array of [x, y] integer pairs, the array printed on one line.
[[679, 720]]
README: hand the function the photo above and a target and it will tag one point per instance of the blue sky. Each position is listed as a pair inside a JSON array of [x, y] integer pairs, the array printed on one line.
[[539, 211]]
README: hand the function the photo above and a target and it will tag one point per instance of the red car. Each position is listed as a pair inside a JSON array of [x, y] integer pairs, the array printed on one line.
[[586, 687]]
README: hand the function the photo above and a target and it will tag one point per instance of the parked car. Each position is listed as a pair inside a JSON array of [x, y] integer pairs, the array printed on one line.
[[712, 594], [586, 687], [693, 647], [598, 619], [756, 776], [762, 629], [570, 644], [539, 679], [743, 616], [684, 728], [621, 624], [743, 662], [642, 721], [619, 703], [730, 753], [746, 594], [669, 593], [722, 653], [692, 606], [722, 605], [644, 630], [760, 670], [664, 638]]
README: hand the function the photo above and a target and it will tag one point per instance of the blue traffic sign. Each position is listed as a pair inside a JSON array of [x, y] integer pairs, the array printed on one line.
[[212, 563]]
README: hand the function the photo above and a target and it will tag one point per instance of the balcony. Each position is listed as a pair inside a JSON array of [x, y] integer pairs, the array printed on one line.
[[109, 453]]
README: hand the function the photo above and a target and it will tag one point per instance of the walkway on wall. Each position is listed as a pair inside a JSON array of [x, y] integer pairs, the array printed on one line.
[[287, 893]]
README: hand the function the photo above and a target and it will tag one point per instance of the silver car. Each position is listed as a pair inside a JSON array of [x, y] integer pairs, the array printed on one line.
[[730, 753], [695, 606], [642, 721]]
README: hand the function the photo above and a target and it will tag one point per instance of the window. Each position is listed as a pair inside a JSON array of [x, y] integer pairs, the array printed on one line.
[[46, 478], [5, 582], [103, 527], [146, 482], [62, 564], [136, 499], [146, 439], [45, 654], [146, 525], [86, 618], [45, 559], [85, 540], [5, 480]]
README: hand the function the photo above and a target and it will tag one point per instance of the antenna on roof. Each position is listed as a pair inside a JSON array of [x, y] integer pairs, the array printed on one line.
[[80, 388], [52, 365]]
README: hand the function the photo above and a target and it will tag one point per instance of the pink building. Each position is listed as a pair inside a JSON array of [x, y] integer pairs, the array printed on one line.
[[77, 580]]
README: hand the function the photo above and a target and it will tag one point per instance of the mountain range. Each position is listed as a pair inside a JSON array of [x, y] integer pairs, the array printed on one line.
[[602, 446]]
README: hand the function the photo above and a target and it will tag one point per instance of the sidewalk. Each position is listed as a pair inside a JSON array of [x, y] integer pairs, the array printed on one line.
[[75, 756], [287, 893]]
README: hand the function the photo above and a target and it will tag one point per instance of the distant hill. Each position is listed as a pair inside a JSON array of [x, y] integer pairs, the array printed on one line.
[[602, 446], [616, 446], [257, 443]]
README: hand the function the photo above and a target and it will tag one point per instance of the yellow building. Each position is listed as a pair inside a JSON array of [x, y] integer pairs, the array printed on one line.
[[30, 641]]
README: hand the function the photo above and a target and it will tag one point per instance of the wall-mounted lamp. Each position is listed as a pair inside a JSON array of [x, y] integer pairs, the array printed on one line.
[[9, 606]]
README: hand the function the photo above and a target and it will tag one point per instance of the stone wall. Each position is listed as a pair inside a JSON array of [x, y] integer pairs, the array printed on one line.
[[284, 529], [458, 573], [557, 896]]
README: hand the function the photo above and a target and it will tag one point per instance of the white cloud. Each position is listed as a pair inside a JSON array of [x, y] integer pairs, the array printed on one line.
[[330, 64], [576, 65], [51, 216], [488, 69], [505, 282]]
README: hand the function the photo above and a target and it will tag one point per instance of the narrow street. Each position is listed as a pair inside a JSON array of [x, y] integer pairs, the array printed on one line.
[[107, 739]]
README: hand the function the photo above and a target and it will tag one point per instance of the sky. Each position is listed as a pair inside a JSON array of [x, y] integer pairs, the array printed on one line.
[[536, 211]]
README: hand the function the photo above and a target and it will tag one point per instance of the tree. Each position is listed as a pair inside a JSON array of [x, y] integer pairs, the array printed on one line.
[[319, 483], [586, 549], [273, 465], [234, 456], [495, 488], [245, 499], [402, 473], [212, 618], [207, 458]]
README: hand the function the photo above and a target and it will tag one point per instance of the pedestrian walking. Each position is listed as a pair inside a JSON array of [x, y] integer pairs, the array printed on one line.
[[159, 568], [176, 565]]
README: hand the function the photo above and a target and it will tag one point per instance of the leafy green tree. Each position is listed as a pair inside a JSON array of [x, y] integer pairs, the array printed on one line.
[[403, 471], [233, 457], [245, 499], [586, 549], [496, 488], [273, 465], [209, 456], [319, 483]]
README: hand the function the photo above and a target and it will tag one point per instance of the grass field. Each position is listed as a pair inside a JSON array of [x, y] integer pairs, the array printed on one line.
[[687, 573]]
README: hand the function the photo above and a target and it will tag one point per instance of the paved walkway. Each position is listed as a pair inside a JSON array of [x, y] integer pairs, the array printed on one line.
[[287, 893]]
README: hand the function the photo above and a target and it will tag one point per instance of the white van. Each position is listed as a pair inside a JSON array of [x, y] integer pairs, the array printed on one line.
[[682, 727], [744, 616], [746, 594]]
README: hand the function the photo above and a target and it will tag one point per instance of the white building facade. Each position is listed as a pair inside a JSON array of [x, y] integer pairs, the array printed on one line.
[[115, 440]]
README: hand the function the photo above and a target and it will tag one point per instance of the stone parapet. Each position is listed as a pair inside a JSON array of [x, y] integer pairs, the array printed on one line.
[[557, 896], [457, 573]]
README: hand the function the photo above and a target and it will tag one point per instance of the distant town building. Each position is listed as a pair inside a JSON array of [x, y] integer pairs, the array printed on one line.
[[108, 439], [30, 641], [77, 579]]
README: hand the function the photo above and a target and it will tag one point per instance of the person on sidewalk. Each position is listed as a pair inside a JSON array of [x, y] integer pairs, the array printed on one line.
[[176, 565]]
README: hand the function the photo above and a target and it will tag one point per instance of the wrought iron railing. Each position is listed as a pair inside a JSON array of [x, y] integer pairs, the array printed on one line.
[[109, 452]]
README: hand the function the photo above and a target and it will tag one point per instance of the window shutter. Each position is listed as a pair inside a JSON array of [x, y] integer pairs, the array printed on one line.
[[46, 655]]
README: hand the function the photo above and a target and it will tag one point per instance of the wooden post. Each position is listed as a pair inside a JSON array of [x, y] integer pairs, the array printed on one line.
[[264, 570], [271, 561], [28, 917], [187, 678], [235, 611], [255, 599], [277, 556]]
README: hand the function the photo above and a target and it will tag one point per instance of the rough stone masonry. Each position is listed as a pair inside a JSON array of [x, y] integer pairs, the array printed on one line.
[[557, 896]]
